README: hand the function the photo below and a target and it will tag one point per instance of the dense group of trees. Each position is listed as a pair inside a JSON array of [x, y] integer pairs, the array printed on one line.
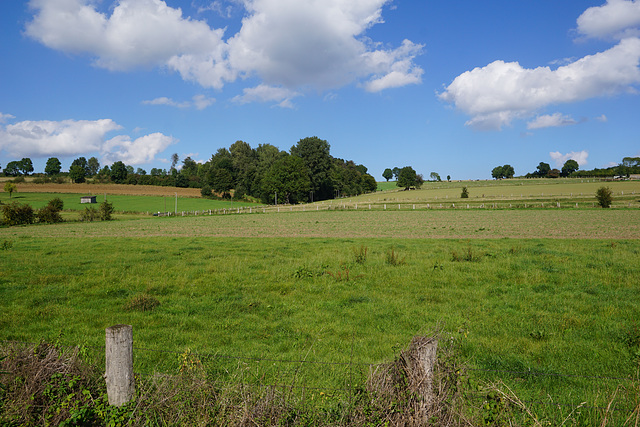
[[500, 172], [307, 172]]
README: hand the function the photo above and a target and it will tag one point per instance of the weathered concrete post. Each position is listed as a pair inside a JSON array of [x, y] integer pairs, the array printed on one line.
[[119, 364], [422, 359]]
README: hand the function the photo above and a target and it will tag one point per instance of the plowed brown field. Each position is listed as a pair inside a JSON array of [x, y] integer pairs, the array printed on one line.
[[134, 190]]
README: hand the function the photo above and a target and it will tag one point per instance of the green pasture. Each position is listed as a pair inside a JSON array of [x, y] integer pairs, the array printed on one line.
[[510, 191], [565, 308], [125, 203]]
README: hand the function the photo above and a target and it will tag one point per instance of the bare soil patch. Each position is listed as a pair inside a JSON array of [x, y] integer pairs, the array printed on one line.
[[121, 189]]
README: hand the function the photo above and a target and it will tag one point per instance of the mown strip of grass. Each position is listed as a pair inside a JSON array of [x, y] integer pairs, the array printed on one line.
[[125, 203], [544, 306]]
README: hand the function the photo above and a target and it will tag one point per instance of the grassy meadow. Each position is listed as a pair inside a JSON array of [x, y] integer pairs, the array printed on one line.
[[543, 301]]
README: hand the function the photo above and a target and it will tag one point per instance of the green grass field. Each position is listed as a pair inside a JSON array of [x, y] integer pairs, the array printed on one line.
[[125, 203], [545, 301]]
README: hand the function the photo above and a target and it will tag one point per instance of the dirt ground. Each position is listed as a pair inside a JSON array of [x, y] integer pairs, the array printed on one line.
[[134, 190]]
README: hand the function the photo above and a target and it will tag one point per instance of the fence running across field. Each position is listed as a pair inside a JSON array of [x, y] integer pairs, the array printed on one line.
[[397, 206], [352, 373]]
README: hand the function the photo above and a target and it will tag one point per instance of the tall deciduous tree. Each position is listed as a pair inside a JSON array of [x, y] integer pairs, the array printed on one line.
[[496, 172], [53, 166], [314, 152], [26, 165], [12, 168], [93, 166], [407, 178], [118, 172], [79, 170], [569, 167], [387, 174], [542, 169], [289, 178]]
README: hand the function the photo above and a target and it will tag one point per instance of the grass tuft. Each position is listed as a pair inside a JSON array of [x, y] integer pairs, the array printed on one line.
[[142, 302]]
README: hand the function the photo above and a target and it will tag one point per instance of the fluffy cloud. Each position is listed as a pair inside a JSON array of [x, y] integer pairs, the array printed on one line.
[[79, 137], [199, 102], [287, 43], [500, 92], [263, 93], [48, 138], [134, 152], [616, 19], [560, 159], [553, 120]]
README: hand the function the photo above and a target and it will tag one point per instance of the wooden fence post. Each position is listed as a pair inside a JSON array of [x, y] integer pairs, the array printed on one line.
[[422, 359], [119, 364]]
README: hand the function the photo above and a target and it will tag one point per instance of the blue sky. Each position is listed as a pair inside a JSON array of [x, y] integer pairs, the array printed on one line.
[[453, 87]]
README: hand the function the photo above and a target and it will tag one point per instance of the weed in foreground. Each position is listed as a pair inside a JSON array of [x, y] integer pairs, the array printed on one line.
[[6, 245], [343, 275], [467, 255], [360, 254], [393, 258]]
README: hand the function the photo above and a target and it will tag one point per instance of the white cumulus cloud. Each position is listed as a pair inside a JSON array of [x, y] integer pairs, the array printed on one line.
[[134, 152], [578, 156], [293, 44], [501, 92], [47, 138], [44, 138], [552, 120], [615, 19]]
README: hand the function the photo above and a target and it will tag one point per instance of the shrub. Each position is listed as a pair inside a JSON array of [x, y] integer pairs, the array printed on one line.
[[18, 214], [89, 214], [206, 191], [604, 196], [465, 193], [18, 179], [106, 209], [57, 203], [49, 214]]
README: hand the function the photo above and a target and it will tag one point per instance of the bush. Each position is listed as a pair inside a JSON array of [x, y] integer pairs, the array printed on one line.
[[18, 214], [206, 191], [89, 214], [465, 193], [49, 214], [57, 203], [106, 209], [604, 196], [18, 179]]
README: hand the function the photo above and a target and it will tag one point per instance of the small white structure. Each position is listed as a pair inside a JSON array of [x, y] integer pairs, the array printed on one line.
[[88, 199]]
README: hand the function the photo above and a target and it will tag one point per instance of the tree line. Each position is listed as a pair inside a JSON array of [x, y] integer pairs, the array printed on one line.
[[307, 172], [629, 165]]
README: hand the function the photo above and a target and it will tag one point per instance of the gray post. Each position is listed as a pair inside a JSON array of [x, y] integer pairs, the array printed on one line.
[[119, 364], [421, 358]]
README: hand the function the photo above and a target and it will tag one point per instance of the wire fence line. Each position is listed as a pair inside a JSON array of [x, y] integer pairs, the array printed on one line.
[[325, 363]]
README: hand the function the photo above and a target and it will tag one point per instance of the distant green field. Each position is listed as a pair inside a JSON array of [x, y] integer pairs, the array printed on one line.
[[537, 189], [125, 203]]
